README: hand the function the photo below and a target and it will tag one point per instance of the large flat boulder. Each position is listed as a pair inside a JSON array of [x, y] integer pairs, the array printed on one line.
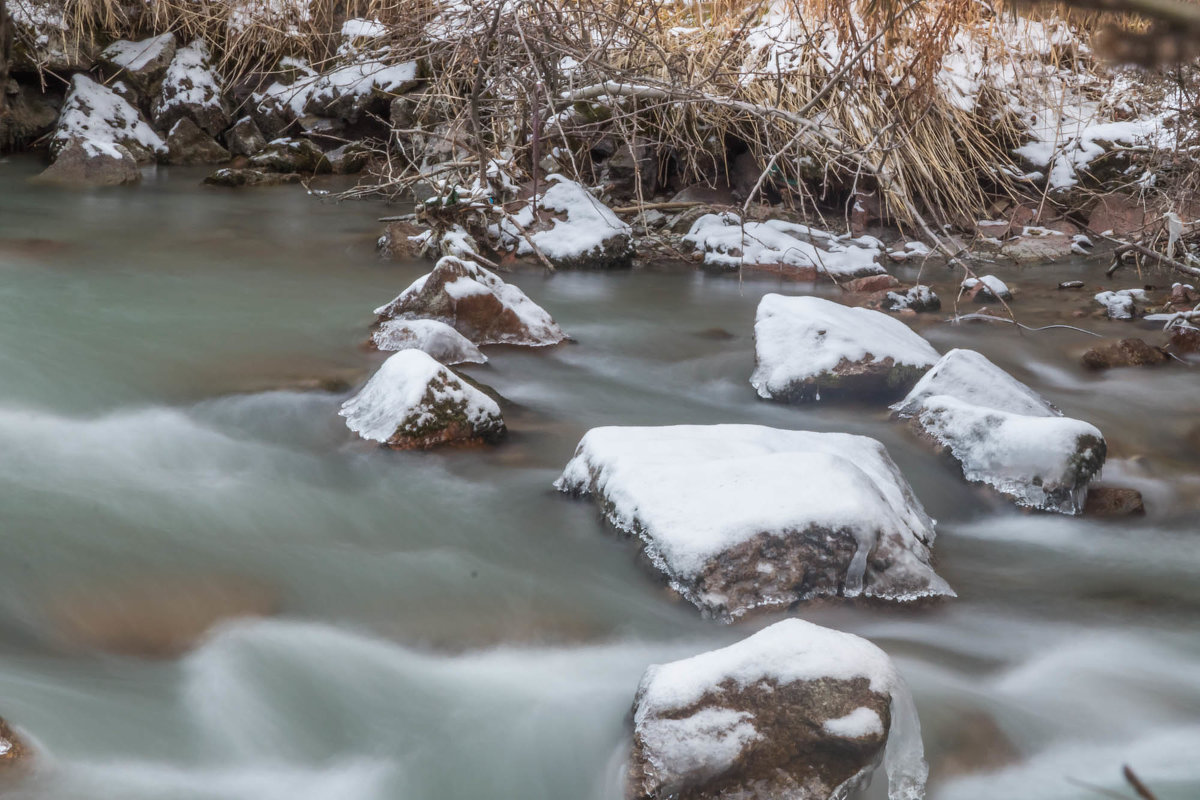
[[807, 348], [740, 517], [476, 303], [413, 402], [98, 114], [1003, 434], [795, 711]]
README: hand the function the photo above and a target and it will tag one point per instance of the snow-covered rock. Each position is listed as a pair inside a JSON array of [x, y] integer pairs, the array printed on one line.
[[141, 63], [84, 162], [919, 298], [43, 39], [191, 88], [1003, 434], [476, 303], [95, 113], [346, 91], [244, 138], [1121, 303], [729, 244], [14, 750], [580, 233], [291, 154], [743, 516], [987, 289], [437, 339], [806, 347], [795, 711], [414, 402]]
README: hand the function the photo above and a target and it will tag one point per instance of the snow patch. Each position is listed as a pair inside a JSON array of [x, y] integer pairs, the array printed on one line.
[[728, 243]]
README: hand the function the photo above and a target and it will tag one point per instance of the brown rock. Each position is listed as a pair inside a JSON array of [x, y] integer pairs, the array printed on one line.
[[1111, 501], [396, 243], [83, 163], [871, 283], [187, 144], [1123, 353], [250, 177], [156, 617], [1124, 216], [1185, 340], [975, 744], [14, 751]]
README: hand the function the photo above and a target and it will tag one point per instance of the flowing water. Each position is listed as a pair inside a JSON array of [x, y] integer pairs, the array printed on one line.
[[444, 626]]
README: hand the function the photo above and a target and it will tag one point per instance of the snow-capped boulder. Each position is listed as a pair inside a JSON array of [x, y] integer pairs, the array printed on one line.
[[808, 347], [347, 91], [237, 178], [188, 144], [14, 751], [987, 289], [1003, 434], [291, 155], [1120, 304], [142, 63], [728, 243], [740, 517], [919, 299], [96, 113], [437, 339], [795, 711], [571, 228], [42, 39], [413, 402], [85, 162], [477, 304], [191, 88]]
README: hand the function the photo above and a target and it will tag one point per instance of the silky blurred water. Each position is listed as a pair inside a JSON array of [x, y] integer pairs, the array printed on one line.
[[444, 625]]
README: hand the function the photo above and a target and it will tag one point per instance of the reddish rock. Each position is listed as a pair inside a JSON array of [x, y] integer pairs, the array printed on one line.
[[789, 272], [1185, 341], [1123, 353], [871, 283], [1112, 501], [399, 243], [1124, 216]]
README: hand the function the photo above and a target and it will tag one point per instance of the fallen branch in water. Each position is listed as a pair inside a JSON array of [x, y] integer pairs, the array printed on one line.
[[1133, 247], [667, 206], [957, 318], [1139, 787]]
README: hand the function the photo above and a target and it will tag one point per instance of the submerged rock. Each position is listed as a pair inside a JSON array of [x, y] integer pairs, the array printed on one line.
[[740, 517], [808, 347], [191, 88], [413, 402], [188, 144], [477, 304], [98, 114], [434, 338], [872, 284], [1123, 353], [14, 751], [572, 229], [250, 177], [795, 711], [1112, 501], [1003, 434], [84, 162]]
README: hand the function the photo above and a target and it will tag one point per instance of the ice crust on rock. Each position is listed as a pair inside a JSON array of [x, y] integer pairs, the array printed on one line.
[[989, 287], [587, 235], [1119, 304], [476, 303], [1003, 434], [437, 339], [729, 244], [808, 345], [710, 720], [413, 401], [96, 114], [743, 516]]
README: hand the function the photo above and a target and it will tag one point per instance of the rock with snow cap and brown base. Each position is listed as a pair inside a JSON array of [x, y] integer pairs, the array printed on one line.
[[743, 517], [1003, 434], [190, 88], [571, 228], [808, 348], [84, 162], [95, 113], [413, 403], [141, 63], [476, 303], [795, 711]]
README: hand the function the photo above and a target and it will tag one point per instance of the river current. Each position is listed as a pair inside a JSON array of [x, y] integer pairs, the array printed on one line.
[[444, 625]]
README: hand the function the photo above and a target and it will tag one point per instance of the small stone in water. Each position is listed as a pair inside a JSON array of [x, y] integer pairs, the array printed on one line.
[[1071, 285]]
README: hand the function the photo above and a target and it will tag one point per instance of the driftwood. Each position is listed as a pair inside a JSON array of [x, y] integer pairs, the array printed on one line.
[[1133, 247]]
